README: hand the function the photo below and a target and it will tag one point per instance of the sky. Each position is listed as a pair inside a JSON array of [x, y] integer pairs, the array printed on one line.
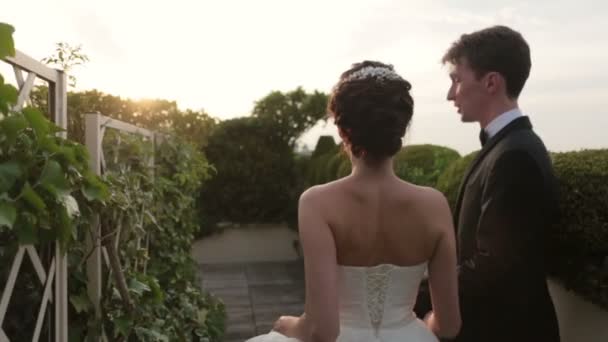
[[222, 56]]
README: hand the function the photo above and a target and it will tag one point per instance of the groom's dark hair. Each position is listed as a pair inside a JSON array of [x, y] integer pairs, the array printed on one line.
[[497, 48]]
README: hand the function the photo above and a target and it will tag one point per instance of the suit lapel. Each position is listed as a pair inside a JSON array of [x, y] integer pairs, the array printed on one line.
[[519, 123]]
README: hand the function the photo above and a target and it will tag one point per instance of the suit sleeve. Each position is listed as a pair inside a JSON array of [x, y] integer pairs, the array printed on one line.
[[511, 224], [423, 300]]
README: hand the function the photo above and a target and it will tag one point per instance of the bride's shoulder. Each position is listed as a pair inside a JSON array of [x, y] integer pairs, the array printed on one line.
[[321, 190], [314, 193], [427, 196], [434, 208]]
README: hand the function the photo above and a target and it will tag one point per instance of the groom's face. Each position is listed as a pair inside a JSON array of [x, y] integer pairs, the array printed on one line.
[[466, 92]]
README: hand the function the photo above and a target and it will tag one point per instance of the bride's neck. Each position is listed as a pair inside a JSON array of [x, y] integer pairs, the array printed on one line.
[[381, 169]]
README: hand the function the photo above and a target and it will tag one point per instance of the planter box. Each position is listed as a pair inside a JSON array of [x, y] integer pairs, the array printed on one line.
[[579, 320], [247, 243]]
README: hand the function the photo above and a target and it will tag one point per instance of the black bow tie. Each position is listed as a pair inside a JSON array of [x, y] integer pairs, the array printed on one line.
[[483, 137]]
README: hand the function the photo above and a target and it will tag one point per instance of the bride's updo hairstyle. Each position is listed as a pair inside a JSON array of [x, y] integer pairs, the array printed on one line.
[[372, 107]]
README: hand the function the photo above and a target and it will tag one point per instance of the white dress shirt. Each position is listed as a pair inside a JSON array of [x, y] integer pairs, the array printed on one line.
[[502, 121]]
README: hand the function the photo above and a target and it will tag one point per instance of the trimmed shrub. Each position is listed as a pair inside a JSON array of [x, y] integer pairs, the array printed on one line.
[[333, 165], [321, 157], [578, 245], [345, 168], [302, 165], [423, 164], [254, 174], [451, 178], [325, 144]]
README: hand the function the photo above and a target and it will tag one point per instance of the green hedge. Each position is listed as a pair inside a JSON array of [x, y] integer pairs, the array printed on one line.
[[451, 178], [423, 164], [578, 246], [419, 164]]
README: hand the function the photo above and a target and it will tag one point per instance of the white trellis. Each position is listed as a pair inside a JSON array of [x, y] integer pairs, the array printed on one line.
[[56, 276], [95, 126]]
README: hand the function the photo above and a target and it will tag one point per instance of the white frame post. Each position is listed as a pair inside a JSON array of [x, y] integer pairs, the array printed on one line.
[[93, 142]]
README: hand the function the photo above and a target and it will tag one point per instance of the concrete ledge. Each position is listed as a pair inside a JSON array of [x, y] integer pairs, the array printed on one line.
[[247, 243], [579, 320]]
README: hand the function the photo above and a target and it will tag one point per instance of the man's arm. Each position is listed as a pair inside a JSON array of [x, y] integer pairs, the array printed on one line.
[[510, 226]]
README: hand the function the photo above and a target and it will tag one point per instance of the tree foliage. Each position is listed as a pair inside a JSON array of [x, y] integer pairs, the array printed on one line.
[[254, 173], [66, 57], [293, 112], [158, 115]]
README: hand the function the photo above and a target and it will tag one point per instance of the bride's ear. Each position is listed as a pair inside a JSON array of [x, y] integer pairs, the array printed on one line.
[[343, 136], [345, 142]]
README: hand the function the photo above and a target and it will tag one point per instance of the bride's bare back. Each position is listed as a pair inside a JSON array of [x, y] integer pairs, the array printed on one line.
[[383, 220], [369, 218]]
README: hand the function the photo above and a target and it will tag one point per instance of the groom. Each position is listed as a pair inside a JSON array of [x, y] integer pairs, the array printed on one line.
[[507, 200]]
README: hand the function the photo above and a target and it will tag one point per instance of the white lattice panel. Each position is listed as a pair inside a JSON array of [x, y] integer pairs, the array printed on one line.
[[53, 279]]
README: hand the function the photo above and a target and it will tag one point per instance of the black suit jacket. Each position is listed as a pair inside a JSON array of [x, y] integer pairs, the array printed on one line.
[[506, 203]]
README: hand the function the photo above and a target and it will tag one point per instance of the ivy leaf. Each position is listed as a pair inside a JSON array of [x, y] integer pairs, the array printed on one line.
[[8, 214], [53, 179], [32, 198], [94, 189], [8, 96], [71, 206], [68, 154], [147, 334], [12, 126], [39, 123], [76, 332], [122, 326], [48, 143], [157, 292], [7, 44], [9, 173], [201, 316], [138, 287], [64, 228], [27, 232], [151, 217], [81, 302], [53, 128]]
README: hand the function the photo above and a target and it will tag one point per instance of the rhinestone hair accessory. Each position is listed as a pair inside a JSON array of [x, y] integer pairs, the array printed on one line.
[[375, 72]]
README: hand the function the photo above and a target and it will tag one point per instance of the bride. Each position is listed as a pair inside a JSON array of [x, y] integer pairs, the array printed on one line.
[[370, 238]]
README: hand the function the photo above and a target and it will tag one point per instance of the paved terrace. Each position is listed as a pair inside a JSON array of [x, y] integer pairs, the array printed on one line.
[[255, 294]]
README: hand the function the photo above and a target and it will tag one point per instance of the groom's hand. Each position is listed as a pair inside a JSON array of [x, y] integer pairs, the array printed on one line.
[[289, 326]]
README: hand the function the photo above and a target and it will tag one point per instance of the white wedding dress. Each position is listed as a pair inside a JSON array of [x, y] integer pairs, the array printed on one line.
[[376, 304]]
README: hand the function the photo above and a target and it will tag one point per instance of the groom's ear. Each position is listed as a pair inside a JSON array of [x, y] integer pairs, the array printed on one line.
[[494, 82]]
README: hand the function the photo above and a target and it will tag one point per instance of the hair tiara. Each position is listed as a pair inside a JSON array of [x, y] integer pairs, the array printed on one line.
[[375, 72]]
